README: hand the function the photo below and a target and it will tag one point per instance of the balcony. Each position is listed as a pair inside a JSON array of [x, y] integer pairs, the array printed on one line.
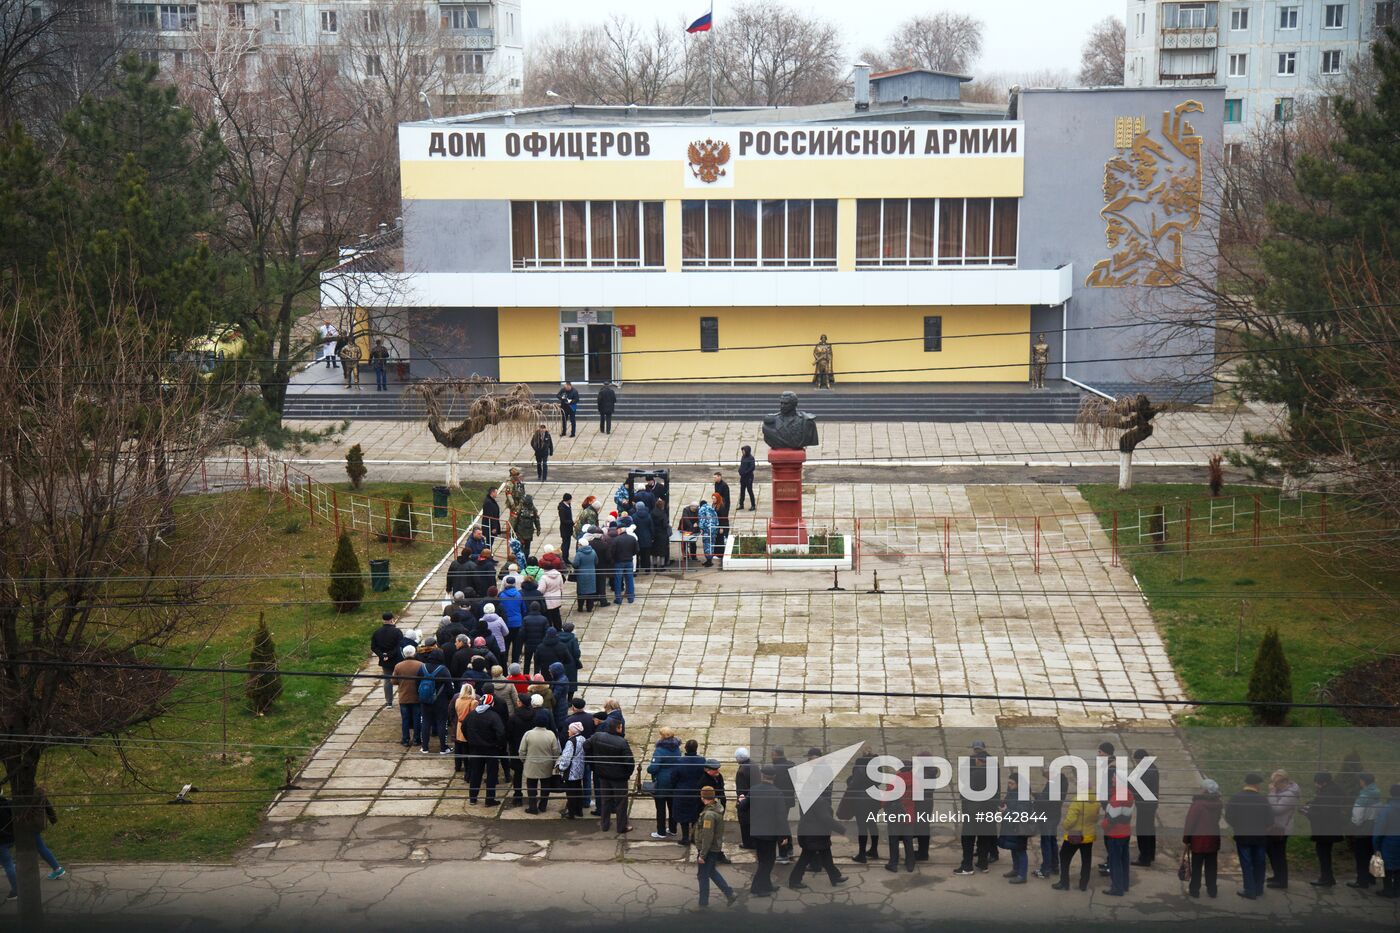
[[470, 39], [1206, 37]]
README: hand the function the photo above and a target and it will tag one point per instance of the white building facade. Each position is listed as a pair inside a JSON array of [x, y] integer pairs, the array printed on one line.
[[1268, 54], [464, 52]]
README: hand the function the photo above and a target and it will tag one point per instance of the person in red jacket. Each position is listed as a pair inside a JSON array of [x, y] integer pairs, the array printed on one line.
[[520, 679], [1117, 826], [1201, 836]]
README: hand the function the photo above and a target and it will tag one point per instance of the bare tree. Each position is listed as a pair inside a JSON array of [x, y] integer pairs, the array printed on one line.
[[1101, 59], [1126, 421], [943, 41], [767, 54], [297, 176], [617, 62], [51, 54], [96, 442], [485, 406]]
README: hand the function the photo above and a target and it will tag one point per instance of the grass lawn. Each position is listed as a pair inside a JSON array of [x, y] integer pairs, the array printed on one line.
[[113, 804], [1291, 580]]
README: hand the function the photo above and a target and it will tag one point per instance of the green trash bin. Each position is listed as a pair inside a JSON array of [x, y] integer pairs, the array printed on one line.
[[440, 494], [379, 575]]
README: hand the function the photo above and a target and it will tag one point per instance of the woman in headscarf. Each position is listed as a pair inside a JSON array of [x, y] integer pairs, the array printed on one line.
[[571, 771]]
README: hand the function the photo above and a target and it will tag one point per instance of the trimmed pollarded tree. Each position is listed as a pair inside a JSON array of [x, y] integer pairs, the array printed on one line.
[[1270, 682], [1127, 420], [515, 409], [355, 465], [264, 686], [347, 586]]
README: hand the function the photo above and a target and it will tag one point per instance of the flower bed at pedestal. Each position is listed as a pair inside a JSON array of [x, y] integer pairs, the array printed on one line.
[[823, 551]]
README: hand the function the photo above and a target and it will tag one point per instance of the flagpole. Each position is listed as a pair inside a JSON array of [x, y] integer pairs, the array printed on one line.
[[710, 47]]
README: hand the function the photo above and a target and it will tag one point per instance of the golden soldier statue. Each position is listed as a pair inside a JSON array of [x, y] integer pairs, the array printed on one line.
[[1040, 361], [822, 361]]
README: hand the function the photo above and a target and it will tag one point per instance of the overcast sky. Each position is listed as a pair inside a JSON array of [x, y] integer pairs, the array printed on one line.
[[1022, 35]]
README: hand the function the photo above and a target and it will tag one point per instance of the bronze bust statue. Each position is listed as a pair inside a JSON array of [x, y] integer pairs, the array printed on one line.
[[788, 428]]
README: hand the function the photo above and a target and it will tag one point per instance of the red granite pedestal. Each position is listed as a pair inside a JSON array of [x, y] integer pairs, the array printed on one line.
[[787, 526]]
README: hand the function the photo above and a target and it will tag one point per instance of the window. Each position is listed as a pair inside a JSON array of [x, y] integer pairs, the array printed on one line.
[[419, 64], [510, 24], [752, 234], [1189, 15], [1334, 16], [239, 14], [1233, 153], [179, 18], [1385, 12], [1234, 110], [1141, 23], [177, 61], [587, 234], [1287, 63], [933, 335], [1239, 19], [465, 63], [1288, 17], [1283, 109], [149, 57], [1332, 62], [370, 20], [330, 61], [372, 66], [709, 335], [457, 18], [139, 15], [328, 21], [280, 19], [420, 21], [1239, 64], [931, 231]]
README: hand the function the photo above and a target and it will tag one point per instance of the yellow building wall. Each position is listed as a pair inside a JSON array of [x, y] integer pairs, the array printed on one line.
[[952, 177], [523, 333], [998, 358]]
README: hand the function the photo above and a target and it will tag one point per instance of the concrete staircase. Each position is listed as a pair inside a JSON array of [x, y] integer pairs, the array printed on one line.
[[1052, 405]]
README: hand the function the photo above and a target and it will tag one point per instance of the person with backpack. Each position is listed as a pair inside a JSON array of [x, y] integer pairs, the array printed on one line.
[[435, 699], [384, 645], [406, 676]]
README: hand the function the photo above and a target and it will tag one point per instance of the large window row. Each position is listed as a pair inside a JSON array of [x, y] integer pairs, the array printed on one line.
[[751, 233], [936, 231], [587, 234]]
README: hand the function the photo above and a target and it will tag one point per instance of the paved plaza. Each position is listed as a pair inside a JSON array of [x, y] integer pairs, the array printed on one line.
[[1183, 438], [990, 624]]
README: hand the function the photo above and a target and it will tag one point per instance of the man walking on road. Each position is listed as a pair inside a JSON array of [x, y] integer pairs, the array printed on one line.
[[747, 466], [768, 810], [607, 403], [543, 446], [568, 410], [709, 838]]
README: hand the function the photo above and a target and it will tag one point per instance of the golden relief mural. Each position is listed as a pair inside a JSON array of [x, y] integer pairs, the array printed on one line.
[[1152, 198]]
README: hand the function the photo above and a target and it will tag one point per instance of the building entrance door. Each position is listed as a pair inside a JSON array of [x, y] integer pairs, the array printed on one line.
[[588, 349]]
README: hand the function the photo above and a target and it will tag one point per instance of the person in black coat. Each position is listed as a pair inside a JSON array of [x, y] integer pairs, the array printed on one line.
[[660, 535], [490, 518], [1328, 814], [768, 809], [550, 650], [543, 446], [568, 410], [484, 572], [459, 573], [486, 743], [722, 490], [783, 781], [607, 403], [384, 644], [814, 829], [1145, 812], [520, 722], [532, 629], [743, 782], [747, 465], [566, 525]]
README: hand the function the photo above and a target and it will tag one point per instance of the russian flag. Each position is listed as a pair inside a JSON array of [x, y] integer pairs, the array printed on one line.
[[702, 24]]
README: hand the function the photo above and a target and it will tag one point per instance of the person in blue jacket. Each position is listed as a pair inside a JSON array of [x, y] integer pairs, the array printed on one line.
[[708, 520], [585, 563], [690, 774], [560, 684], [663, 775], [1386, 839], [511, 604]]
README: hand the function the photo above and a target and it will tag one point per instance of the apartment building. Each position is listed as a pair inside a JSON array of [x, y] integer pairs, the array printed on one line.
[[934, 240], [464, 54], [1268, 54]]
